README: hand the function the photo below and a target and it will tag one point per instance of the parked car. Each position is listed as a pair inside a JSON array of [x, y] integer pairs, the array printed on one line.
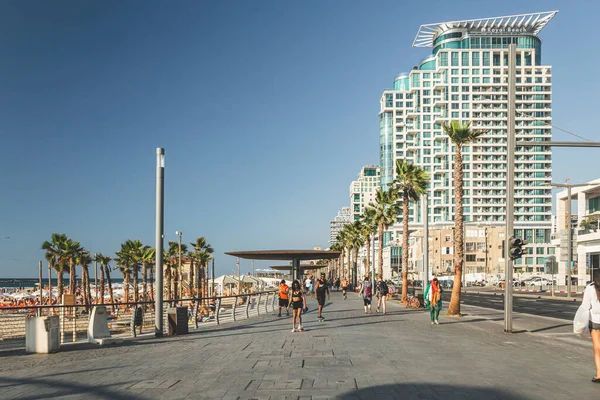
[[539, 281]]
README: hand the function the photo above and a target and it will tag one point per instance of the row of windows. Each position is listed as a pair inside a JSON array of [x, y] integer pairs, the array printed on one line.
[[484, 59]]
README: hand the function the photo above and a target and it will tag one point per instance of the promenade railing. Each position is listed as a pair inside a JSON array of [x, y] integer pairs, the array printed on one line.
[[122, 321]]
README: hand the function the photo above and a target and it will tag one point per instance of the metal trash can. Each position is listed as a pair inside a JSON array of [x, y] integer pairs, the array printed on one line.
[[42, 334], [178, 320]]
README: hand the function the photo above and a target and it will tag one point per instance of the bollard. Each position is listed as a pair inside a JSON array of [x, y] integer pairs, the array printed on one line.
[[218, 310], [258, 305], [233, 308], [197, 302], [266, 304], [250, 299]]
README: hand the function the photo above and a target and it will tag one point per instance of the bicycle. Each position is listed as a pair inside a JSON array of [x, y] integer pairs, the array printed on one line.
[[412, 301]]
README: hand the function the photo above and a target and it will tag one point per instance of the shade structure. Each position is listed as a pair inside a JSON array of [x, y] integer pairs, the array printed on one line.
[[295, 256], [302, 267]]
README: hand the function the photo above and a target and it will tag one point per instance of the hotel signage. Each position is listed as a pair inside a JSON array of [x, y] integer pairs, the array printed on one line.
[[503, 30]]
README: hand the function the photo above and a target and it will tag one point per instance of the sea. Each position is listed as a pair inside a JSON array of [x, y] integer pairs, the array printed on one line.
[[27, 283]]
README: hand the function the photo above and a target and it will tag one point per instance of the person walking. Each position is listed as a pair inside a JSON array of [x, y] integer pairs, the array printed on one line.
[[366, 292], [433, 300], [284, 290], [344, 287], [297, 301], [321, 289], [382, 294], [307, 285], [591, 305]]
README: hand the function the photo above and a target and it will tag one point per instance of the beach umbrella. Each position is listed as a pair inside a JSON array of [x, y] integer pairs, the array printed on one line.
[[21, 296]]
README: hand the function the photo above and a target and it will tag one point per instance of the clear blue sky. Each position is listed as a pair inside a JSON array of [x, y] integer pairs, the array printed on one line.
[[267, 111]]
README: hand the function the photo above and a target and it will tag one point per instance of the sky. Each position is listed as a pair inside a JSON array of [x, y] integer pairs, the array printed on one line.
[[267, 111]]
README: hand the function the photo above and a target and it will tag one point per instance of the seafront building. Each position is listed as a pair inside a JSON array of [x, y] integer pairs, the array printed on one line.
[[362, 190], [337, 224], [466, 79], [586, 235]]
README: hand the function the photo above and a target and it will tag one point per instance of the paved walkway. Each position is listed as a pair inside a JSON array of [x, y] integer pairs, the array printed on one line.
[[351, 356]]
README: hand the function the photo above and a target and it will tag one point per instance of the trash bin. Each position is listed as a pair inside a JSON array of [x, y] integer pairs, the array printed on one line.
[[42, 334], [178, 320]]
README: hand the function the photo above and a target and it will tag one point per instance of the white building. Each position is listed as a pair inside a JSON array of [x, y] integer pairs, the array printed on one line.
[[586, 247], [466, 79], [335, 227], [362, 190]]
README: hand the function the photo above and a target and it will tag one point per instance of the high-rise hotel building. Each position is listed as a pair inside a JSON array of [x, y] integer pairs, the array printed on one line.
[[465, 79], [362, 190]]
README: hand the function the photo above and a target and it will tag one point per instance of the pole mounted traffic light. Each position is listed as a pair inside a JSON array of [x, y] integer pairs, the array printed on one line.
[[516, 247]]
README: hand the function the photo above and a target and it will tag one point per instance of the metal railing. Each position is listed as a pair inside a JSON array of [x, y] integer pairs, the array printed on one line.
[[74, 319]]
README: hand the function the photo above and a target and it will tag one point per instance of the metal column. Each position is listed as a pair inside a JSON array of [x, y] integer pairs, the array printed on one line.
[[425, 213], [510, 188], [159, 237]]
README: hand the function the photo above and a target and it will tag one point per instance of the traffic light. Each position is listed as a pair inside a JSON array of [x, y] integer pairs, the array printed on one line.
[[516, 247]]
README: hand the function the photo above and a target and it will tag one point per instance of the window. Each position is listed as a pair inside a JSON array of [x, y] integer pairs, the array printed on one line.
[[465, 71], [454, 71], [465, 59], [443, 59], [470, 257], [476, 71], [475, 59], [454, 59], [486, 59], [539, 250], [465, 97]]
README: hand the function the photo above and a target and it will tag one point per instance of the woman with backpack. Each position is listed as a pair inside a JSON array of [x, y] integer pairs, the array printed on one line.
[[366, 292], [382, 294]]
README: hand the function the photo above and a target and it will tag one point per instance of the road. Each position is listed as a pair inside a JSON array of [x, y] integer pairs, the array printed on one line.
[[528, 305]]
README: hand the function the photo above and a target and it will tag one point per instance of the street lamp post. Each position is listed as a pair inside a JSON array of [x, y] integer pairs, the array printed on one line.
[[239, 277], [179, 233], [159, 237]]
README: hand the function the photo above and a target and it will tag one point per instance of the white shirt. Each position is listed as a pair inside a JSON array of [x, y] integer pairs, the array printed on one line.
[[591, 302], [307, 282]]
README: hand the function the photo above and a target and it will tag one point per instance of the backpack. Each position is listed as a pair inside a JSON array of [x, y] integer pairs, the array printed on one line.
[[383, 288], [368, 291]]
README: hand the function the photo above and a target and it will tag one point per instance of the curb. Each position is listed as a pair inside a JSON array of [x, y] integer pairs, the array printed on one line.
[[572, 299]]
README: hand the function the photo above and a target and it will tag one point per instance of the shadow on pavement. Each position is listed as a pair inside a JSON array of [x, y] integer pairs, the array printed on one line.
[[60, 388], [409, 391]]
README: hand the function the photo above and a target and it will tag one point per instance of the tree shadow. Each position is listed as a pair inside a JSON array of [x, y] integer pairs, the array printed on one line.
[[409, 391], [71, 387]]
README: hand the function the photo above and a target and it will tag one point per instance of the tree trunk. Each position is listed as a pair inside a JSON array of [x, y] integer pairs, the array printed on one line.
[[349, 274], [109, 281], [60, 283], [454, 307], [168, 282], [72, 277], [101, 284], [355, 267], [126, 284], [341, 266], [83, 288], [191, 278], [176, 283], [144, 281], [380, 251], [135, 283], [368, 263], [405, 202], [151, 282], [88, 289]]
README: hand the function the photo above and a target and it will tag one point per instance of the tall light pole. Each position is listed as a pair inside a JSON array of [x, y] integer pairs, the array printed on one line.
[[569, 230], [179, 233], [510, 186], [373, 264], [159, 237], [425, 213]]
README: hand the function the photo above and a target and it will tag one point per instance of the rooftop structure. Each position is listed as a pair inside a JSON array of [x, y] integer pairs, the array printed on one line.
[[520, 24]]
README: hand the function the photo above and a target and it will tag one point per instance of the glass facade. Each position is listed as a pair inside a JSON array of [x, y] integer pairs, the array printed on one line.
[[466, 80]]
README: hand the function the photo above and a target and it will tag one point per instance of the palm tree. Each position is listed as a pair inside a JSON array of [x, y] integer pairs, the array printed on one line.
[[136, 253], [104, 268], [341, 242], [124, 260], [147, 259], [53, 256], [336, 247], [411, 181], [368, 228], [173, 252], [356, 242], [84, 259], [203, 255], [70, 250], [385, 211], [459, 135]]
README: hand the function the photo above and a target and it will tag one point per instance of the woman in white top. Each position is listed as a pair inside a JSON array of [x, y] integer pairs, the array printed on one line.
[[591, 301]]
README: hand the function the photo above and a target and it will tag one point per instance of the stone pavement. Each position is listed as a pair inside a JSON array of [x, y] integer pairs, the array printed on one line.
[[350, 356]]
